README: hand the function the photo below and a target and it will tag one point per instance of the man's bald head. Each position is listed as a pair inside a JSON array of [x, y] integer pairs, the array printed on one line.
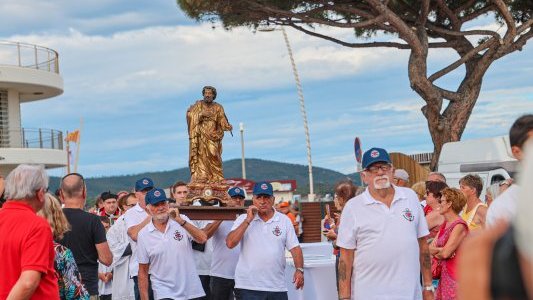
[[73, 186]]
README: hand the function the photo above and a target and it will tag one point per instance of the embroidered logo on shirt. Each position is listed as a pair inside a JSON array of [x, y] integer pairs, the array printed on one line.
[[408, 215], [276, 231], [178, 236]]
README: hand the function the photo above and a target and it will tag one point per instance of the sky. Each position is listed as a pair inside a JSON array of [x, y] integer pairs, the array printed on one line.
[[132, 68]]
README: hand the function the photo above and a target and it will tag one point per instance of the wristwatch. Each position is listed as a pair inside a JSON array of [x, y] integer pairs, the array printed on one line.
[[300, 269], [429, 288]]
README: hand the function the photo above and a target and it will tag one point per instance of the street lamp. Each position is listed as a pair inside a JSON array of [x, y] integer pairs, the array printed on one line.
[[241, 127], [311, 196]]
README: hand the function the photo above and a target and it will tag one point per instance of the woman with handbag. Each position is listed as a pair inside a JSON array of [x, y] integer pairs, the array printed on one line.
[[444, 247]]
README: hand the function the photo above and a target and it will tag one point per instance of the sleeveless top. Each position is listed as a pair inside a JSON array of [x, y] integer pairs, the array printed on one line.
[[469, 217]]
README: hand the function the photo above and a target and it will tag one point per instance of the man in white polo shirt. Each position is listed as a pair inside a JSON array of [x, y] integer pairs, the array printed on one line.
[[164, 252], [264, 234], [136, 218], [386, 227]]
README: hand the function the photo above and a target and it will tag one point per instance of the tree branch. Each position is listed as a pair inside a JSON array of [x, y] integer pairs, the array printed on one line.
[[525, 26], [456, 24], [462, 60], [351, 45], [511, 26], [463, 33], [424, 12], [476, 14], [405, 32]]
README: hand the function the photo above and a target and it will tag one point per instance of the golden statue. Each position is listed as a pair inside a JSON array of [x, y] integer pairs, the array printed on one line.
[[206, 122]]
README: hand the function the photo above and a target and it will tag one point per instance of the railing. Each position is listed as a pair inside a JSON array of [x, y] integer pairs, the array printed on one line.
[[422, 158], [31, 138], [29, 56]]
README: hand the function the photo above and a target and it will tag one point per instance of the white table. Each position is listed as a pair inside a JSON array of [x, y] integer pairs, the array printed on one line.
[[319, 273]]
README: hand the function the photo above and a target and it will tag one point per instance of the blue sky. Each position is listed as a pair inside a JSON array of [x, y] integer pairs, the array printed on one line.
[[131, 69]]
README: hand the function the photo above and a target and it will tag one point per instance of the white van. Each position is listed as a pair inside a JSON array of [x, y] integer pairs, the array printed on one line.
[[490, 158]]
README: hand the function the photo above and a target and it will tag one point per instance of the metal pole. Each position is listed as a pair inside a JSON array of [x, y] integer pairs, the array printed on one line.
[[311, 196], [36, 57], [241, 126], [18, 51]]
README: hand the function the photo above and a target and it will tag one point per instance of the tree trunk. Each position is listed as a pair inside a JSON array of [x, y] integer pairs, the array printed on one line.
[[449, 125]]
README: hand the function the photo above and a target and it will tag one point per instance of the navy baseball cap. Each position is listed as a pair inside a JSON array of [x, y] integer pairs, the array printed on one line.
[[375, 155], [155, 196], [143, 184], [263, 188], [236, 192]]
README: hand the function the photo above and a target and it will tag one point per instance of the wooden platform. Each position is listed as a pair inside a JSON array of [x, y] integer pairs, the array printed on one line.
[[211, 213]]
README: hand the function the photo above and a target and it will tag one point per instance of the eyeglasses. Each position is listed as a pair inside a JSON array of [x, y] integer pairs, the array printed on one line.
[[375, 168]]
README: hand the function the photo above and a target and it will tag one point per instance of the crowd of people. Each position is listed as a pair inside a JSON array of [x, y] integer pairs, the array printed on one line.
[[137, 245], [391, 241], [396, 242]]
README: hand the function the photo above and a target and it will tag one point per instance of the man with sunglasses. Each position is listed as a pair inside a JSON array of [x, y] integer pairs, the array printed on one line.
[[87, 237], [387, 228], [136, 218]]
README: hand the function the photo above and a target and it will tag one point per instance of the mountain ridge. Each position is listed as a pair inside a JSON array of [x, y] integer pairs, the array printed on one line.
[[256, 169]]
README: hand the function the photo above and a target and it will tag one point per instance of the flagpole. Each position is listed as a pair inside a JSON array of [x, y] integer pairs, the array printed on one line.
[[78, 147], [68, 154]]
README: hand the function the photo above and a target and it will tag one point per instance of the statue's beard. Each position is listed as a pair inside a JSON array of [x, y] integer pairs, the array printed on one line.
[[208, 99], [379, 184]]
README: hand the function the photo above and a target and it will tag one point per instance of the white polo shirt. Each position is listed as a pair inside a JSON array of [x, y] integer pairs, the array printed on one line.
[[202, 259], [261, 264], [172, 270], [387, 263], [132, 217], [224, 260]]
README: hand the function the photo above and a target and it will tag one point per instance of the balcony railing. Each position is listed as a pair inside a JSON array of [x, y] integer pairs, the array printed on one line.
[[28, 56], [31, 138]]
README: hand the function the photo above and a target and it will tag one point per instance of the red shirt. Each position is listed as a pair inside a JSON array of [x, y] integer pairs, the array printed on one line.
[[26, 244]]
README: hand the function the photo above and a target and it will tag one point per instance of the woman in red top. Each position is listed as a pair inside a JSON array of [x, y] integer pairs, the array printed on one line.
[[444, 246]]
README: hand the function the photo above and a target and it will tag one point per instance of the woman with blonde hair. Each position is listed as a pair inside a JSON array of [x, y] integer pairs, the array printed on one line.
[[444, 246], [68, 276]]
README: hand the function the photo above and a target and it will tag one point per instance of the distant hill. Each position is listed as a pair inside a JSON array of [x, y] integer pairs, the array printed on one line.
[[256, 169]]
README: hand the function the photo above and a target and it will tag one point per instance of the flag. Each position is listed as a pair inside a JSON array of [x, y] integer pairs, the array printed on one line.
[[73, 136]]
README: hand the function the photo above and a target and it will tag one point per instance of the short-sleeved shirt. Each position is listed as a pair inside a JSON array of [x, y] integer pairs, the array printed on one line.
[[202, 259], [26, 244], [132, 217], [86, 232], [172, 270], [504, 206], [387, 264], [224, 260], [261, 265]]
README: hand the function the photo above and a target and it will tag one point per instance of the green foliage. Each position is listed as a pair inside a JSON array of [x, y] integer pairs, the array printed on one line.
[[256, 169]]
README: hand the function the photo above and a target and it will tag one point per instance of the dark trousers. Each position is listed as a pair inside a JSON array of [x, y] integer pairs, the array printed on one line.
[[205, 279], [136, 288], [262, 295], [221, 288]]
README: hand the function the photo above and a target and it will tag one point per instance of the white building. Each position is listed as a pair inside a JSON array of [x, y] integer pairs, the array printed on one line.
[[28, 73]]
